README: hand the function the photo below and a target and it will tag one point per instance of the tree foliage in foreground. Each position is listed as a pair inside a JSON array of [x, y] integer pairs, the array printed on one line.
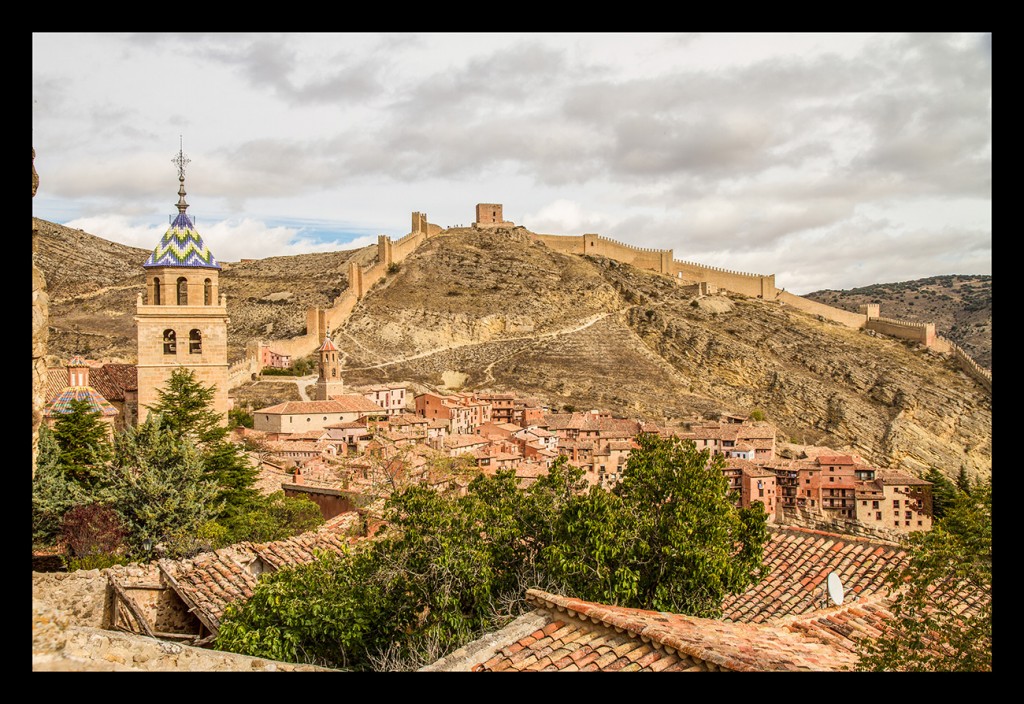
[[176, 482], [451, 567], [930, 633]]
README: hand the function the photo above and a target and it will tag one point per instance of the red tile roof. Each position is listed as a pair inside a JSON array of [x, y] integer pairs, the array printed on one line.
[[210, 581], [800, 561], [572, 635]]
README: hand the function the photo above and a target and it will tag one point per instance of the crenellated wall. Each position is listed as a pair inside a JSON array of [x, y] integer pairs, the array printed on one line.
[[903, 329], [966, 362], [319, 321], [753, 285], [838, 315]]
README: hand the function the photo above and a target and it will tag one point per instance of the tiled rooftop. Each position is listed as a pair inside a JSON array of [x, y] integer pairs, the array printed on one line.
[[800, 561], [571, 635], [181, 246], [210, 581]]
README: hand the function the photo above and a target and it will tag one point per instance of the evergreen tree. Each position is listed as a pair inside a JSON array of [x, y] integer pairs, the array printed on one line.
[[185, 406], [963, 482], [944, 492], [160, 489], [84, 443], [53, 493]]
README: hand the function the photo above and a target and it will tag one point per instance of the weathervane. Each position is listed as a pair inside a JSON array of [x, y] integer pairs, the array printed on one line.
[[180, 161]]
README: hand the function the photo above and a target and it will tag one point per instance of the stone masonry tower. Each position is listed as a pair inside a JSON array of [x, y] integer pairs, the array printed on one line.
[[183, 321], [329, 382]]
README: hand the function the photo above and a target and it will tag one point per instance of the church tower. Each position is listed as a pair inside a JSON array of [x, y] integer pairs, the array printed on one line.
[[328, 381], [183, 321]]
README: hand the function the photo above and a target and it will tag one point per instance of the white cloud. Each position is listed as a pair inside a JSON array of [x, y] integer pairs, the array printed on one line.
[[781, 153]]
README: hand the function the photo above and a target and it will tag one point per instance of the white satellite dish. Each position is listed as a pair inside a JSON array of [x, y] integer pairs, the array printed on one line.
[[835, 588]]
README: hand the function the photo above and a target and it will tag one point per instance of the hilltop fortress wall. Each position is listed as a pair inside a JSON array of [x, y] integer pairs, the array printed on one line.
[[706, 278]]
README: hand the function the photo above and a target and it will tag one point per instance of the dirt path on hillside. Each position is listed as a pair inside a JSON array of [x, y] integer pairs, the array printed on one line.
[[586, 323]]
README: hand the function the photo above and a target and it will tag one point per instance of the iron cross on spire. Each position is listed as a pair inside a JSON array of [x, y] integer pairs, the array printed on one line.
[[180, 161]]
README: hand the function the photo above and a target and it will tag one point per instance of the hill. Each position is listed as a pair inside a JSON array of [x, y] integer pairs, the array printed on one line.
[[960, 306], [496, 309]]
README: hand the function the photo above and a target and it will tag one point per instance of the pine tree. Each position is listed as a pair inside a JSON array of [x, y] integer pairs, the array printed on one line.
[[160, 489], [84, 443], [185, 408]]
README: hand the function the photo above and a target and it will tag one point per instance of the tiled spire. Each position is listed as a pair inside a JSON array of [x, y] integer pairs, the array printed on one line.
[[328, 346], [78, 389], [181, 245]]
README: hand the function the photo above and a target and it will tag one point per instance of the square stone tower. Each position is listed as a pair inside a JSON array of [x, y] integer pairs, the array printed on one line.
[[183, 321]]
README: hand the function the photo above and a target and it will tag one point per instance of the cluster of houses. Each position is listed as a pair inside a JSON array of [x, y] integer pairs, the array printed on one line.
[[369, 442]]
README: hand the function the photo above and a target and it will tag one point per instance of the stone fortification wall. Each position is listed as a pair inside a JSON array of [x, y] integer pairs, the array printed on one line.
[[838, 315], [663, 262], [967, 363], [753, 285], [905, 330], [320, 321], [563, 244]]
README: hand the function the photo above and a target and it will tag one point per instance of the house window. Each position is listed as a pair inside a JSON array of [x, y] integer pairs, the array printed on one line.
[[182, 291], [878, 516], [919, 523], [909, 514], [896, 504], [807, 481], [812, 502], [170, 342], [760, 492], [831, 479], [207, 293], [874, 504], [863, 503], [195, 342]]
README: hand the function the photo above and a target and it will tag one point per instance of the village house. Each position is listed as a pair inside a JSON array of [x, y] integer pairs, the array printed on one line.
[[301, 416], [274, 360], [462, 411], [391, 397]]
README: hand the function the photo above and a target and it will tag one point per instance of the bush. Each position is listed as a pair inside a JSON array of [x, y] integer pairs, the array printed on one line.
[[93, 529]]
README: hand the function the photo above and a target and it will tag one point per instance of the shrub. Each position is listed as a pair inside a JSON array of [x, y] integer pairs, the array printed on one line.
[[93, 529]]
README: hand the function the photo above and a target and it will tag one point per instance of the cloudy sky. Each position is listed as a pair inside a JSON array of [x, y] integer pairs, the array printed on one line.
[[832, 161]]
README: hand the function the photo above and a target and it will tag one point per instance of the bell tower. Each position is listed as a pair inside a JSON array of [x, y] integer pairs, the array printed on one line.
[[329, 382], [183, 319]]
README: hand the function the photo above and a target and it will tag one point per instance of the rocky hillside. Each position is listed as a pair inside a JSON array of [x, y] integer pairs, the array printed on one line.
[[473, 310], [959, 305]]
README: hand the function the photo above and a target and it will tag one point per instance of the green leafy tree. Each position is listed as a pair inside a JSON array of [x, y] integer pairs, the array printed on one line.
[[449, 567], [272, 517], [669, 536], [84, 443], [160, 488], [930, 631]]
